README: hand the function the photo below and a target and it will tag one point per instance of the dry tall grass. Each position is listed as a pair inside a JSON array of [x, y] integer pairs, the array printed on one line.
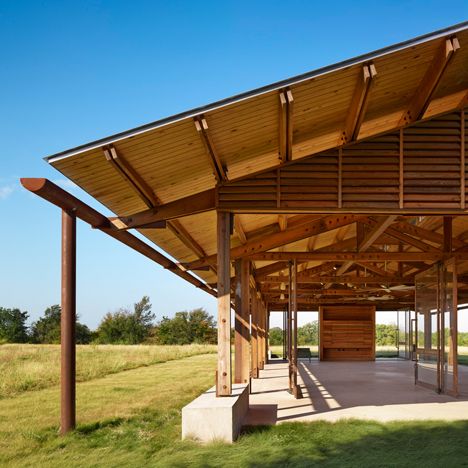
[[31, 367]]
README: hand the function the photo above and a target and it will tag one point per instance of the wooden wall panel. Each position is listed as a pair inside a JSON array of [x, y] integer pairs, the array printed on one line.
[[419, 167], [347, 333]]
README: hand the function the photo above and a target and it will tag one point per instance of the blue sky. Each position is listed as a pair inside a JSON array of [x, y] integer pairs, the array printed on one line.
[[72, 72]]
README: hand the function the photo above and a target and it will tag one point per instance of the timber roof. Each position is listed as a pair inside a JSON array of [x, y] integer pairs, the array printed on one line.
[[337, 106]]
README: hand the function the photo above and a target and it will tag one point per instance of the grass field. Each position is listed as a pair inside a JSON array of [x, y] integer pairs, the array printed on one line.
[[32, 367], [132, 418]]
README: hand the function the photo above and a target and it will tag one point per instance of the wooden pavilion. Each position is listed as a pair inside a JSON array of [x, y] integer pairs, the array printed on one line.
[[345, 186]]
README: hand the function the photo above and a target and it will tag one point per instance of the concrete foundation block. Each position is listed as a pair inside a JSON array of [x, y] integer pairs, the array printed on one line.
[[209, 418]]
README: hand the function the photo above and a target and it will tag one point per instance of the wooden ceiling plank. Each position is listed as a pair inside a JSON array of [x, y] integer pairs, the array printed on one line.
[[202, 128], [359, 103], [127, 172], [421, 99]]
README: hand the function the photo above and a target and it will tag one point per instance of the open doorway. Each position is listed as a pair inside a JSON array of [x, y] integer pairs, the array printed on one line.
[[307, 335]]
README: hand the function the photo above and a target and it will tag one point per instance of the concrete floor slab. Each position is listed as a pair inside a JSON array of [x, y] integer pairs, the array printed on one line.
[[383, 390]]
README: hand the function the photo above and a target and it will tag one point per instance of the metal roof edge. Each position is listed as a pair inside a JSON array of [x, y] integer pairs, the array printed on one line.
[[258, 91]]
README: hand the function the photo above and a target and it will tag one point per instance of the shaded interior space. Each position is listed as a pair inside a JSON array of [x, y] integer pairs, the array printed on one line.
[[382, 390]]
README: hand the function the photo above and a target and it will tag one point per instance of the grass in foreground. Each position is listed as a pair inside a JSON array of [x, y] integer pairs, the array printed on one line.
[[30, 367], [133, 418]]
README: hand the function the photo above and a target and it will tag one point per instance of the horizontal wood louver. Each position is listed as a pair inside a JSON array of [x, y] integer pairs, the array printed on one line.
[[432, 160], [371, 173], [421, 166]]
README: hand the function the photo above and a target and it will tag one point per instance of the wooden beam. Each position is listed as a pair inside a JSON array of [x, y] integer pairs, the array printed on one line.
[[242, 322], [379, 228], [59, 197], [184, 236], [193, 204], [126, 171], [448, 236], [283, 126], [223, 382], [327, 223], [289, 134], [239, 230], [426, 234], [359, 103], [429, 83], [254, 333], [351, 256], [202, 128], [394, 232]]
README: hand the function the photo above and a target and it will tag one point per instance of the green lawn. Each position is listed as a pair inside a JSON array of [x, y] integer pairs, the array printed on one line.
[[26, 367], [132, 418]]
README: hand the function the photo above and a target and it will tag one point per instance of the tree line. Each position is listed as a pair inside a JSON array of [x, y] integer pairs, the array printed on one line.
[[124, 326]]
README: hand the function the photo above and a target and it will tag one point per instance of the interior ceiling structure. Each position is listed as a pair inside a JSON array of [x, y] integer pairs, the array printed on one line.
[[167, 178]]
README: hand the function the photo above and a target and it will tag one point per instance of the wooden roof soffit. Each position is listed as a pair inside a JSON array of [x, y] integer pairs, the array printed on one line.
[[286, 107], [127, 172], [147, 195], [193, 204], [202, 128], [359, 101], [428, 85]]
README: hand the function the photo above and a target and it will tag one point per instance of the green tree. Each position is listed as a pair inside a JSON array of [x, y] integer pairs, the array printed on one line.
[[308, 334], [276, 336], [195, 326], [46, 330], [385, 335], [13, 328], [126, 327]]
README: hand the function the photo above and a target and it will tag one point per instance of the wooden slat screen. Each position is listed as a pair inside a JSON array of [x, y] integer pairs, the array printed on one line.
[[422, 166]]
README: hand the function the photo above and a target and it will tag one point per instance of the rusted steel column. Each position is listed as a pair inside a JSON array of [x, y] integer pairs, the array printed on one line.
[[223, 381], [67, 323]]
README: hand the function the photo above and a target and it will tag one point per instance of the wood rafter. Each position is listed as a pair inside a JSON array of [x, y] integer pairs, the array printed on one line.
[[377, 230], [278, 239], [286, 106], [133, 179], [359, 103], [345, 279], [421, 99], [151, 200], [359, 257], [193, 204], [239, 230], [202, 128]]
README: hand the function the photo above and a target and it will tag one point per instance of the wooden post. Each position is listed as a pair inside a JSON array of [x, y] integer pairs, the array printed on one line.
[[223, 381], [241, 322], [296, 389], [267, 335], [261, 341], [67, 324], [290, 348], [254, 335]]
